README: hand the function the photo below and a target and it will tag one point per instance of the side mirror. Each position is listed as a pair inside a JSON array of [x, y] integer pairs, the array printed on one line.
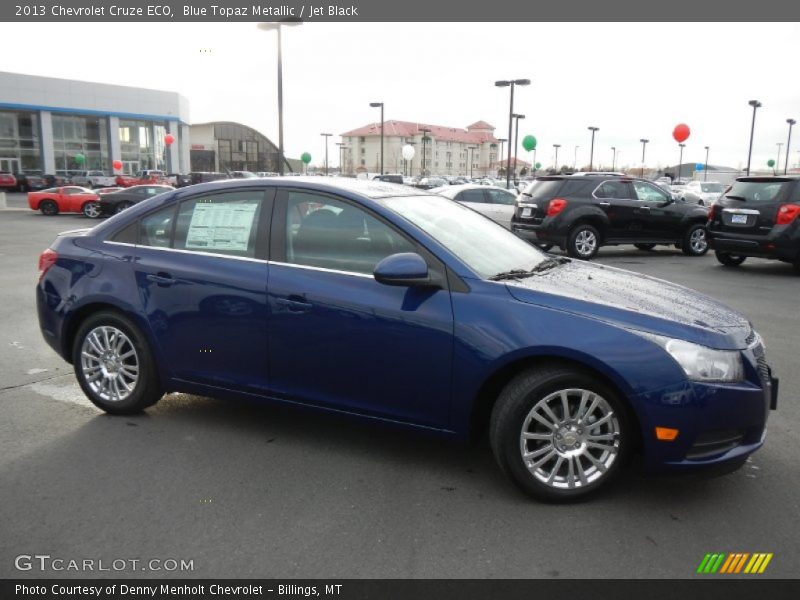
[[403, 269]]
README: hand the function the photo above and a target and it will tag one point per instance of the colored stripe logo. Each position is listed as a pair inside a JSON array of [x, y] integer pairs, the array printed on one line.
[[737, 562]]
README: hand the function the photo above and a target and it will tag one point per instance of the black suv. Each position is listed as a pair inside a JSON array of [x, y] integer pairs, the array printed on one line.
[[581, 213], [757, 216]]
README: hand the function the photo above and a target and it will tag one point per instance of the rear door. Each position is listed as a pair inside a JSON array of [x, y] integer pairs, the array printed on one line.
[[201, 270], [616, 198]]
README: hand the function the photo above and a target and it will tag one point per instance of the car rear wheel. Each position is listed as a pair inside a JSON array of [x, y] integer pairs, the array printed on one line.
[[91, 209], [123, 206], [114, 365], [559, 434], [730, 260], [583, 241], [695, 242], [48, 207], [645, 246]]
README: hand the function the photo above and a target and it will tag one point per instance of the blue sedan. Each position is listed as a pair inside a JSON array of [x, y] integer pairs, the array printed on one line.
[[393, 305]]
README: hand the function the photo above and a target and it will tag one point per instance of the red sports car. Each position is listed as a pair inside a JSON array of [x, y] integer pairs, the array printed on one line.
[[65, 199], [7, 181]]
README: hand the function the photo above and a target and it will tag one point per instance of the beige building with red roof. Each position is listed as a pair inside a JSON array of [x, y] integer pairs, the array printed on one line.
[[447, 150]]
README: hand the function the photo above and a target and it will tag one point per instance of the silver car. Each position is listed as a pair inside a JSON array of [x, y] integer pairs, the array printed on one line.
[[494, 202], [703, 193]]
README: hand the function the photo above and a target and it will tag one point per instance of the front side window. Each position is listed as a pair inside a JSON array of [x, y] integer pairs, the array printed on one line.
[[221, 223], [648, 193], [331, 234], [615, 190]]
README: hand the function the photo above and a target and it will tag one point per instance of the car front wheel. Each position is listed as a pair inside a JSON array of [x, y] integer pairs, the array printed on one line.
[[91, 210], [583, 241], [728, 259], [114, 365], [559, 434], [695, 242]]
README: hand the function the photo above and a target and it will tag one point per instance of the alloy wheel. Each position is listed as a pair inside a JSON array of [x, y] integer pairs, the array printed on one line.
[[585, 242], [109, 363], [91, 210], [698, 241]]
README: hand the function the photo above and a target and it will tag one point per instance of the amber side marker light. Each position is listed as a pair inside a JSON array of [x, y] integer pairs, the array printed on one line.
[[666, 434]]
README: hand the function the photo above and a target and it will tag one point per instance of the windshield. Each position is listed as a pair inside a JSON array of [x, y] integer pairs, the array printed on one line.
[[757, 191], [717, 188], [484, 246]]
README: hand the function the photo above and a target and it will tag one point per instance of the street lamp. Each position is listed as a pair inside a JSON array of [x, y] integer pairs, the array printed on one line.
[[471, 158], [425, 133], [510, 83], [613, 158], [277, 27], [575, 158], [556, 146], [705, 167], [376, 105], [680, 160], [342, 147], [516, 141], [326, 136], [788, 142], [756, 105], [644, 145], [502, 145], [591, 152]]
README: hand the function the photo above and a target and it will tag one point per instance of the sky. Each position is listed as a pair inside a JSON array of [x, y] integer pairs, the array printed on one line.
[[632, 80]]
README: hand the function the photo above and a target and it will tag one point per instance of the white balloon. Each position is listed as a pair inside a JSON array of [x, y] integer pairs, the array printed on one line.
[[408, 152]]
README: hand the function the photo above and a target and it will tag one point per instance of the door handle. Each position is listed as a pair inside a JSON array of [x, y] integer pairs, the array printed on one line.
[[295, 304], [644, 208], [162, 279], [604, 203]]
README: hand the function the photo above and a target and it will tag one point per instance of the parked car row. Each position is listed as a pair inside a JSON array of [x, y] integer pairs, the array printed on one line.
[[92, 203]]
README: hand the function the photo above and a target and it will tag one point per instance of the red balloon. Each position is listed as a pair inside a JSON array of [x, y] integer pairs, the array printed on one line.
[[681, 133], [168, 139], [117, 164]]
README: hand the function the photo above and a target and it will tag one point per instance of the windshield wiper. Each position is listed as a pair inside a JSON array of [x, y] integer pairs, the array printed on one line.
[[742, 198], [545, 265]]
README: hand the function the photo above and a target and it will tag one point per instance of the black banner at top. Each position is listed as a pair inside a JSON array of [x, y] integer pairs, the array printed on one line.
[[394, 10]]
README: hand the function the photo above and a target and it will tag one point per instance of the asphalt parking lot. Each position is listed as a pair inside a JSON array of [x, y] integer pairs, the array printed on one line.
[[246, 490]]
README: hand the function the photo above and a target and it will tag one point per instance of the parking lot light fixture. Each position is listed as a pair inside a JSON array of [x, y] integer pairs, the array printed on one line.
[[788, 143], [613, 157], [756, 105], [326, 136], [591, 150], [778, 159], [705, 166], [516, 140], [277, 27], [376, 105], [575, 158], [644, 145], [425, 138], [510, 83], [680, 160], [555, 160]]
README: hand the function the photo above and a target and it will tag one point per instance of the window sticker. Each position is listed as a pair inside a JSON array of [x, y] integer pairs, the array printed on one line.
[[224, 226]]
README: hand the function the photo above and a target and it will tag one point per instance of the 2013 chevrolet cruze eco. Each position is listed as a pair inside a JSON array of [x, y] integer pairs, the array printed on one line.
[[391, 304]]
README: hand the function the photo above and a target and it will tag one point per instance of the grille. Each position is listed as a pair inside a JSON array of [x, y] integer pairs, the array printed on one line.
[[714, 443], [750, 338], [763, 369]]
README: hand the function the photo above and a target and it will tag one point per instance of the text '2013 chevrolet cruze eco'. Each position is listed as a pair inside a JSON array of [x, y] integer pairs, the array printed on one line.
[[413, 310]]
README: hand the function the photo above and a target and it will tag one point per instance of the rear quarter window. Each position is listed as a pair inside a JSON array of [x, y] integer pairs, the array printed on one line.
[[543, 188]]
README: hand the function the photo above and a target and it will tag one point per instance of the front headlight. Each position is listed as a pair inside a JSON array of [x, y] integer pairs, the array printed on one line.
[[701, 363]]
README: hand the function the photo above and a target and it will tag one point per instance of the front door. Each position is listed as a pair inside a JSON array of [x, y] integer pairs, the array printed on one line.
[[615, 198], [663, 217], [340, 339], [201, 271]]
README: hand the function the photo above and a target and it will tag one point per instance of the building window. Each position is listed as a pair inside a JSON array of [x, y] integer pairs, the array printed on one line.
[[73, 135], [19, 141], [141, 145]]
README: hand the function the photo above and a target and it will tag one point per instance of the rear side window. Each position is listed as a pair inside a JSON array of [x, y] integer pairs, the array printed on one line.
[[501, 197], [127, 235], [758, 191], [472, 196], [156, 228], [578, 187]]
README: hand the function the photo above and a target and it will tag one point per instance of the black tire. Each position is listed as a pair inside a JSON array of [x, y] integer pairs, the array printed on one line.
[[145, 389], [695, 242], [48, 207], [728, 259], [645, 247], [579, 241], [511, 416], [91, 209], [122, 206]]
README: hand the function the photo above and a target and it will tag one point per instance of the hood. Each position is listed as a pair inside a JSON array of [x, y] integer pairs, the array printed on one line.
[[636, 302]]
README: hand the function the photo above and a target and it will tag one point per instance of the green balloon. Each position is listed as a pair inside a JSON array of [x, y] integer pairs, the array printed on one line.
[[770, 163], [79, 159], [538, 165], [305, 157], [529, 143]]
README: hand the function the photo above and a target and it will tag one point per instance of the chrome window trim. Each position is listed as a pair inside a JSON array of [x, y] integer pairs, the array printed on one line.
[[741, 211], [322, 269], [194, 252]]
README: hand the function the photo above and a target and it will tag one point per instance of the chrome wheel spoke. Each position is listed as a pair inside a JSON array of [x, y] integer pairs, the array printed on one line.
[[554, 472], [541, 461], [603, 447], [539, 451], [602, 437], [110, 374], [537, 436], [579, 469]]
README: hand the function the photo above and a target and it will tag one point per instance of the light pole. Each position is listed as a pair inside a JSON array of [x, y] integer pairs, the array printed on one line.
[[644, 145], [277, 27], [376, 105], [778, 161], [613, 158], [756, 105], [591, 151], [680, 160], [556, 146], [425, 133], [342, 146], [705, 169], [575, 158], [510, 83], [502, 145], [516, 142], [471, 158], [326, 136], [788, 143]]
